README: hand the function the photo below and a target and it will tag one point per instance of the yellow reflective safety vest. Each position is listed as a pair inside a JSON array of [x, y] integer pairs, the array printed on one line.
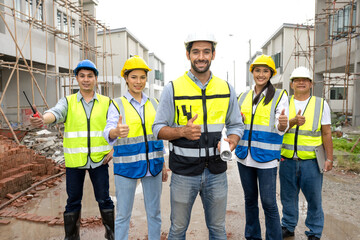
[[83, 137], [260, 134], [304, 139], [140, 150], [211, 104]]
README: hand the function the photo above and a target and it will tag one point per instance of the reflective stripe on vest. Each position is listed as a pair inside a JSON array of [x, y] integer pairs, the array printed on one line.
[[308, 136], [260, 131], [83, 137], [140, 149], [211, 106]]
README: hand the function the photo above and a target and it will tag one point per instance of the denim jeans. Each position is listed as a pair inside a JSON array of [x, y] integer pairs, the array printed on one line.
[[75, 182], [213, 192], [304, 175], [253, 179], [125, 194]]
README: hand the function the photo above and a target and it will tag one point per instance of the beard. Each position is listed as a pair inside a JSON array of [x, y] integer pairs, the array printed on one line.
[[193, 66]]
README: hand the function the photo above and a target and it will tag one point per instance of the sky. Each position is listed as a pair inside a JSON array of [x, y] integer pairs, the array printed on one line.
[[163, 25]]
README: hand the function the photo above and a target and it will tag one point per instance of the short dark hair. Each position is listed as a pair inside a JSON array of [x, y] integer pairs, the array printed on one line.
[[190, 44], [86, 68]]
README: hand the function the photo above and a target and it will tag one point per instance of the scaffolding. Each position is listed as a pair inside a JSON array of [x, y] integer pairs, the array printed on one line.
[[88, 25], [336, 32]]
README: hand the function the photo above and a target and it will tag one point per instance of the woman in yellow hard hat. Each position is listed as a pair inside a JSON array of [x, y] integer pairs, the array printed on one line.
[[265, 111], [137, 153]]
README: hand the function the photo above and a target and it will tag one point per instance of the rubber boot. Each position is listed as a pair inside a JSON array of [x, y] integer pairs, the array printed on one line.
[[107, 216], [72, 225]]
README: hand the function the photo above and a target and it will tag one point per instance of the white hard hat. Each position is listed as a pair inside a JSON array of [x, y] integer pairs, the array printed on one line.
[[200, 36], [301, 72]]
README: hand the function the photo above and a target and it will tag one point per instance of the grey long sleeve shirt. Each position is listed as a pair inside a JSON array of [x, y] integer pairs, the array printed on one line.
[[165, 112]]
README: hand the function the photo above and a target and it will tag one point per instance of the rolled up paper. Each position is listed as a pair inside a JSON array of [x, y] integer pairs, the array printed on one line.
[[225, 153]]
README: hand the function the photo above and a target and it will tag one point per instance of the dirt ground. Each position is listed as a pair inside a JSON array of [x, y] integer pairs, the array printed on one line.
[[341, 197]]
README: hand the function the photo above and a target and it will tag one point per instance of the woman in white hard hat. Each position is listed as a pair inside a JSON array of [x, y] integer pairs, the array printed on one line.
[[265, 111], [137, 153]]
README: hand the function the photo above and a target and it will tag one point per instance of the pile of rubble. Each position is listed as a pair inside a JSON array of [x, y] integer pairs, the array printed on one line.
[[46, 142]]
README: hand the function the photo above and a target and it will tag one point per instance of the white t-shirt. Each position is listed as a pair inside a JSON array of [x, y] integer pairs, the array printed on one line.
[[249, 161], [326, 115]]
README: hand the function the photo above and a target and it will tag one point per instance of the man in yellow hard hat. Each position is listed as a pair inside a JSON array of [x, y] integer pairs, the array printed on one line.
[[85, 149], [309, 129], [192, 112]]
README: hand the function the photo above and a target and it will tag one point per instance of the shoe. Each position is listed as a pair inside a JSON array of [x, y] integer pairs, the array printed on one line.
[[72, 225], [286, 233], [313, 238], [107, 216]]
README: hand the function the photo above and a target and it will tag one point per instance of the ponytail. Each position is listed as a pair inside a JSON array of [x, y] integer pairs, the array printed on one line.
[[269, 95]]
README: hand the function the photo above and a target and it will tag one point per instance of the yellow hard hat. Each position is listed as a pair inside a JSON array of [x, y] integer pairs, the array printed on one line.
[[264, 60], [133, 63]]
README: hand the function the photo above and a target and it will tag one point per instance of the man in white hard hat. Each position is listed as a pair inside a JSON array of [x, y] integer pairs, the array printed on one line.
[[309, 128], [192, 112]]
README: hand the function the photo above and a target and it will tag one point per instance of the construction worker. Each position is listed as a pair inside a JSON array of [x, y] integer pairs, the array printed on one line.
[[85, 149], [191, 114], [309, 122], [137, 152], [265, 111]]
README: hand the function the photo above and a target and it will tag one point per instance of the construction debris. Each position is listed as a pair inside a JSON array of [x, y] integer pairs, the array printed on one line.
[[48, 143]]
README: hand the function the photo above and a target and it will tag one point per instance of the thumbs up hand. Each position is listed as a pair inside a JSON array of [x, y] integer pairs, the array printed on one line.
[[121, 130], [192, 131], [283, 121], [300, 120]]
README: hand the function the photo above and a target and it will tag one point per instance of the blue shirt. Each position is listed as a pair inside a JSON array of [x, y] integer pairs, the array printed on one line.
[[60, 112], [165, 112]]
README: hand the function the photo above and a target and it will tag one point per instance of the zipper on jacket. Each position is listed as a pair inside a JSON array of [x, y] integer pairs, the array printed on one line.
[[205, 128], [252, 121], [145, 136], [295, 140], [88, 128]]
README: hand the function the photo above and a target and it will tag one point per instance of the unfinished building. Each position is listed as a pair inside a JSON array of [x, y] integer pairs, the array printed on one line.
[[337, 56], [41, 41]]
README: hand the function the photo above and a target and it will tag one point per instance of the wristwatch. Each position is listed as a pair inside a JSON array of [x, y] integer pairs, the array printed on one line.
[[329, 160]]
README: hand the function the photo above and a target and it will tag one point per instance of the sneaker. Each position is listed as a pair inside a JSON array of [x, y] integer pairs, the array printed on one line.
[[286, 233], [313, 238]]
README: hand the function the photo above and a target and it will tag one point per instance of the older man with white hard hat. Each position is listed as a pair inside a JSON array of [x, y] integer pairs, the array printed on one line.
[[300, 166]]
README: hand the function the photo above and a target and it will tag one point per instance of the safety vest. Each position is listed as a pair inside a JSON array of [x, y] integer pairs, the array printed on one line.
[[303, 139], [260, 135], [83, 137], [211, 104], [140, 150]]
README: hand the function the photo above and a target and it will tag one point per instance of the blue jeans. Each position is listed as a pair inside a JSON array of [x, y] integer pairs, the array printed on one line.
[[125, 194], [75, 182], [304, 175], [213, 192], [250, 177]]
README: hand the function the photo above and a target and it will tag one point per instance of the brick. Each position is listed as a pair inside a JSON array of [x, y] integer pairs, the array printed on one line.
[[4, 221], [53, 222]]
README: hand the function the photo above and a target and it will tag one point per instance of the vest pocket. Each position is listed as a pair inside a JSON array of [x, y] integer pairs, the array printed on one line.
[[158, 145], [216, 165], [127, 150]]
